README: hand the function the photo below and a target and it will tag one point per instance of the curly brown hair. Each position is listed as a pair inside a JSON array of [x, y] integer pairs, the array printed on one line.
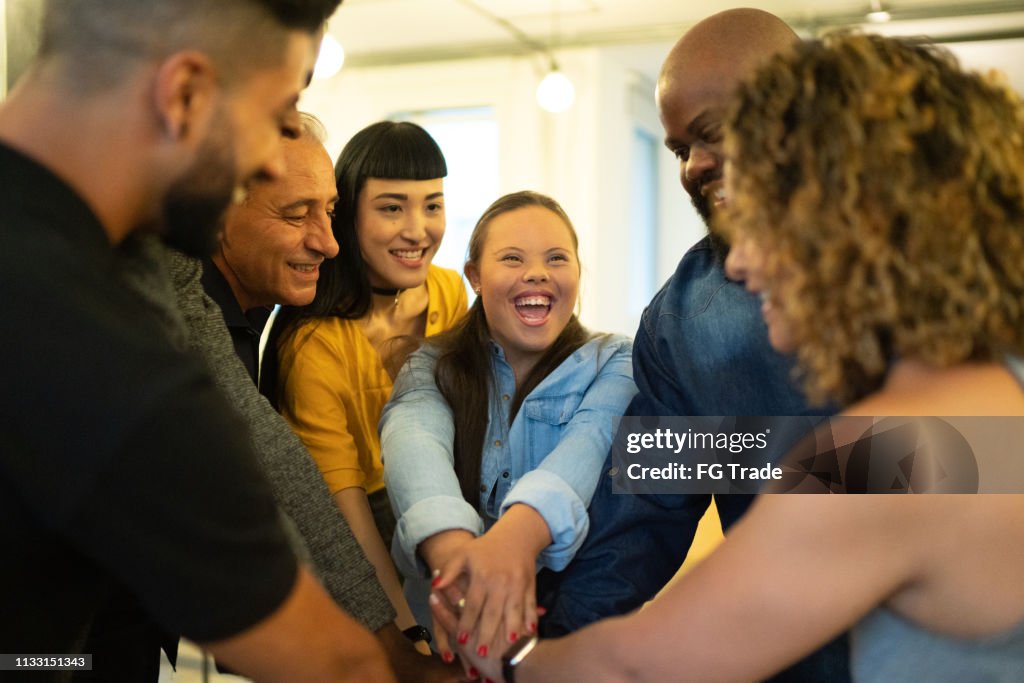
[[886, 188]]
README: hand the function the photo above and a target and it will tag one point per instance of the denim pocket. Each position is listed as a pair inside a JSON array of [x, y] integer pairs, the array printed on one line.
[[553, 410]]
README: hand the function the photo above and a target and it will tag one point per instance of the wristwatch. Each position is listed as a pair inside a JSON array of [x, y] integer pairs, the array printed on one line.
[[417, 633], [515, 655]]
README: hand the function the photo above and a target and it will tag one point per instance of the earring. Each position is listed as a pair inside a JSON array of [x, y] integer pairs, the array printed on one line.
[[476, 290]]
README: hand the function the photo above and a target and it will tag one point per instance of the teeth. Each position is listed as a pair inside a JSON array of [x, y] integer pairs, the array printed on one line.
[[533, 301], [239, 195], [303, 268], [410, 255], [765, 296], [719, 195]]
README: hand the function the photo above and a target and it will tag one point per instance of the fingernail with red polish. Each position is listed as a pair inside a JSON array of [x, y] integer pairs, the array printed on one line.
[[482, 650], [473, 673], [533, 627], [463, 638], [513, 637], [448, 657], [541, 611], [487, 680]]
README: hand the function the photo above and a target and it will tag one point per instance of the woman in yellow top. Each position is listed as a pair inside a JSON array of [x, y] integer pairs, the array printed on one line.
[[336, 357]]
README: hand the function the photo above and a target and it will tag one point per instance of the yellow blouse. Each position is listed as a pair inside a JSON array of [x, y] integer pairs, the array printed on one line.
[[334, 386]]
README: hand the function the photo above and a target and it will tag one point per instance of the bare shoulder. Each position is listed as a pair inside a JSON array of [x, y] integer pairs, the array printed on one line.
[[967, 389]]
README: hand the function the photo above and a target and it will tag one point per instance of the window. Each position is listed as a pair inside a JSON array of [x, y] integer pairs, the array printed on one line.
[[468, 138], [643, 224]]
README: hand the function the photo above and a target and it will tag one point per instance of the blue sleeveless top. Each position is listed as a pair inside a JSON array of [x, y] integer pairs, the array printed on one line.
[[885, 646]]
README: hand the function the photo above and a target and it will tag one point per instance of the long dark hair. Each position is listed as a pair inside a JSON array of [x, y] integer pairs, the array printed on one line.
[[463, 371], [386, 149]]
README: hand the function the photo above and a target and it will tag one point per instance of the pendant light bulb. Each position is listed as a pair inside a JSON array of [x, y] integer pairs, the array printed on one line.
[[555, 93], [331, 58]]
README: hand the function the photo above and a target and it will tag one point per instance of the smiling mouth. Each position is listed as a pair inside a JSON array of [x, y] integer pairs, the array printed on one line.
[[304, 267], [412, 255], [716, 196], [533, 309]]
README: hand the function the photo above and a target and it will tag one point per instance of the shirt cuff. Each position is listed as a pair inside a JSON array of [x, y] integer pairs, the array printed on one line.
[[562, 510], [424, 519]]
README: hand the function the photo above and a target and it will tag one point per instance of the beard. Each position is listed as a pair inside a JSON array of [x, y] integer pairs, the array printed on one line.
[[718, 243], [703, 207], [195, 205]]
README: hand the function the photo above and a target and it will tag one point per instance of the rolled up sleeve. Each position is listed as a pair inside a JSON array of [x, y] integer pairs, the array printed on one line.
[[417, 445]]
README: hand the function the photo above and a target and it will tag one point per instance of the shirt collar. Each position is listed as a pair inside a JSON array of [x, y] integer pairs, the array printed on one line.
[[218, 289]]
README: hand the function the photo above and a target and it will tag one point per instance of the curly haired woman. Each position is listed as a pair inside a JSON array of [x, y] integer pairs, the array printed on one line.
[[877, 205]]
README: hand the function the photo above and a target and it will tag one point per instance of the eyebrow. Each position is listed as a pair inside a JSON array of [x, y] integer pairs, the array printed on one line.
[[306, 202], [699, 121], [702, 120], [405, 197], [520, 249]]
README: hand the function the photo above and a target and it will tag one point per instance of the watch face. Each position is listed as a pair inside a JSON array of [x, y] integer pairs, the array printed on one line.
[[522, 647]]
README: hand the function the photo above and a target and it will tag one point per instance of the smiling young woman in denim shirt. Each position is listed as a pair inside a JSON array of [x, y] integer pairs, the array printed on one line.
[[536, 398]]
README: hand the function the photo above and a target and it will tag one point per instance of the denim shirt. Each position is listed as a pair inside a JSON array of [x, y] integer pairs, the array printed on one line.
[[549, 457], [702, 349]]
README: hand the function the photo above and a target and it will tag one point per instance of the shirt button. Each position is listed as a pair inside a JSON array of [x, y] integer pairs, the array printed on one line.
[[483, 489], [498, 442], [433, 317], [504, 475], [505, 397]]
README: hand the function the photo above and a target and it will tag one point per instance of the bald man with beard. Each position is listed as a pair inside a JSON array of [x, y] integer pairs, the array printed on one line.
[[701, 349]]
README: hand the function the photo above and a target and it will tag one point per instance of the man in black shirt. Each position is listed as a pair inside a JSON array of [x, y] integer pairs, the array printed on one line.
[[245, 327], [274, 242], [121, 465]]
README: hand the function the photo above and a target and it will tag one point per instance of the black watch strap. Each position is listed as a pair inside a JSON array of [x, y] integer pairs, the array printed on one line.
[[515, 656], [417, 633]]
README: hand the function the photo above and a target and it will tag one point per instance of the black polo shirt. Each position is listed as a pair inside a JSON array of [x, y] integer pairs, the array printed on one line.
[[120, 463], [245, 327]]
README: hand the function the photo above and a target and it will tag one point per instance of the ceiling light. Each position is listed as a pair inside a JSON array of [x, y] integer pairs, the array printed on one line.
[[332, 56], [555, 93], [877, 15]]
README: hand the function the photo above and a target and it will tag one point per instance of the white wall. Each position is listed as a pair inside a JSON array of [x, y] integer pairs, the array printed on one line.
[[1006, 56]]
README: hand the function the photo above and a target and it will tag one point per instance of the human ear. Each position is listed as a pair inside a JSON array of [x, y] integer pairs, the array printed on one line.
[[473, 275], [184, 96]]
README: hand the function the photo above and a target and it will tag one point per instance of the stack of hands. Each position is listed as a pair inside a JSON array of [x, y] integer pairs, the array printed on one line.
[[483, 594]]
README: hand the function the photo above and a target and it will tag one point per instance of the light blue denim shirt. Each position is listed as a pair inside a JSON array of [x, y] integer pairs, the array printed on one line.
[[549, 458]]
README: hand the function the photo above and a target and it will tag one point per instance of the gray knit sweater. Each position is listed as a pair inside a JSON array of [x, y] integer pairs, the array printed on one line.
[[298, 487]]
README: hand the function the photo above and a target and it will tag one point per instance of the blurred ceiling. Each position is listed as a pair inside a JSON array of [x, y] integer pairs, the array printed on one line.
[[392, 32]]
